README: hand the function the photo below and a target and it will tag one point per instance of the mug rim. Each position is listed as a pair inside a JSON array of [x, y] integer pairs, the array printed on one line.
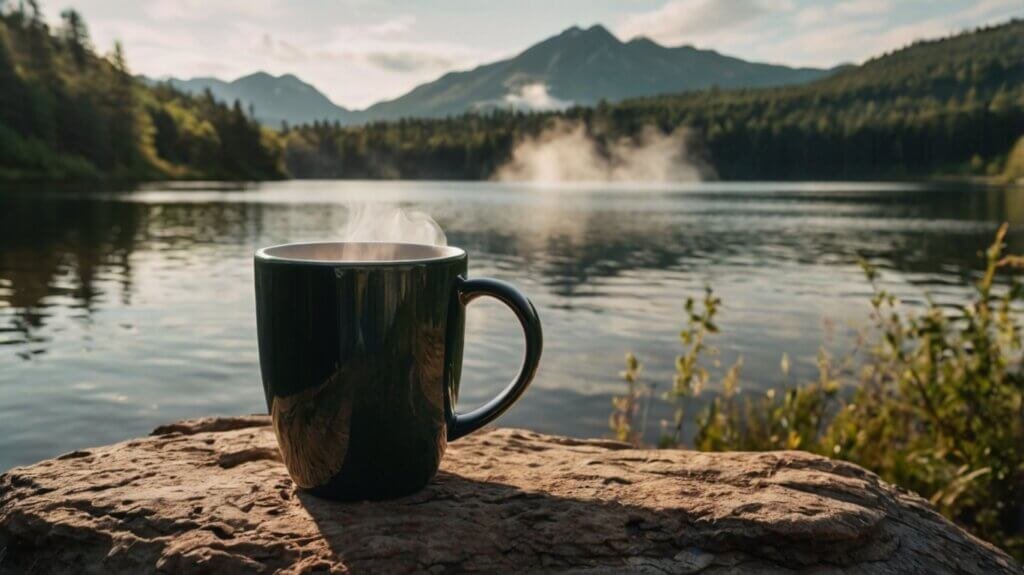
[[447, 254]]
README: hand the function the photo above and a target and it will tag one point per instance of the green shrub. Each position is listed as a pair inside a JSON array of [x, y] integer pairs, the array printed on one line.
[[933, 402]]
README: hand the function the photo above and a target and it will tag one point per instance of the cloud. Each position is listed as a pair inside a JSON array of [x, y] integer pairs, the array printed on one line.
[[357, 52], [535, 97], [391, 46], [407, 61], [678, 19], [199, 10], [281, 50], [808, 34], [842, 12], [842, 31], [398, 25], [860, 7], [988, 8], [386, 45]]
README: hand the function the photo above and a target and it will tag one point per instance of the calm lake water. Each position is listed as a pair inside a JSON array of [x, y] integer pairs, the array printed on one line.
[[120, 311]]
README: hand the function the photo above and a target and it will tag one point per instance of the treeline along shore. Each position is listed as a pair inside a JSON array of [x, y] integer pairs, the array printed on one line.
[[946, 108]]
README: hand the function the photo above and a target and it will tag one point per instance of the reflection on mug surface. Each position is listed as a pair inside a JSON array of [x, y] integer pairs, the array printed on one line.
[[361, 353]]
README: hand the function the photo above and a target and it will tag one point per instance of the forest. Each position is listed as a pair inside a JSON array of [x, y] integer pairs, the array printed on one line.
[[67, 113], [949, 107], [952, 107]]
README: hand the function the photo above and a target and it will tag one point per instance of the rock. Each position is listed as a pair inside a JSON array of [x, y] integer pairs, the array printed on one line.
[[212, 496]]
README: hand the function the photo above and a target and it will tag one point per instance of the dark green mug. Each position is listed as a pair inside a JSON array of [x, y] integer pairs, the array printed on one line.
[[361, 353]]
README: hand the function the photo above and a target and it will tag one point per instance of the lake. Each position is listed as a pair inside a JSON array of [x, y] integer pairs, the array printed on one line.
[[122, 310]]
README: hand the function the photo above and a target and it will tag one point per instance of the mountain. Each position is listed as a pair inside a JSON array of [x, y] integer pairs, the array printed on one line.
[[274, 99], [575, 67], [949, 107], [583, 67]]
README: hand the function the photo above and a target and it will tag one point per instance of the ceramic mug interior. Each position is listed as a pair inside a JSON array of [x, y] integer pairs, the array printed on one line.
[[342, 253]]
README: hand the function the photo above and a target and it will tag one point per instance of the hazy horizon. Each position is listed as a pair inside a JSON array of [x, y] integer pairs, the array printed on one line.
[[359, 53]]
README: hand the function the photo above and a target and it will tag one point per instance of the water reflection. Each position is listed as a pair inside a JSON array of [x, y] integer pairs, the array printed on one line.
[[120, 310], [55, 253]]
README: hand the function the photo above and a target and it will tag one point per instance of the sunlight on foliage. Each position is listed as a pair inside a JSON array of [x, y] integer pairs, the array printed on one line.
[[68, 112]]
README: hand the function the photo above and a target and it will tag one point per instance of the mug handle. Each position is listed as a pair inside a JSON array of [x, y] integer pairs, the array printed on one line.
[[468, 290]]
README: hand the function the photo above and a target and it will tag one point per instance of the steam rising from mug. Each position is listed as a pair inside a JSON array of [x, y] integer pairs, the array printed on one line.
[[390, 223], [566, 152]]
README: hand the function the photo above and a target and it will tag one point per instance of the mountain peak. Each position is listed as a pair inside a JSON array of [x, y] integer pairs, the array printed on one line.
[[260, 75], [644, 41], [595, 32], [598, 29]]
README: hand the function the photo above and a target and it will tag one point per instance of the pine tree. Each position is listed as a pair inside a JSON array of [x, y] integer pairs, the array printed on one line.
[[75, 35], [124, 138]]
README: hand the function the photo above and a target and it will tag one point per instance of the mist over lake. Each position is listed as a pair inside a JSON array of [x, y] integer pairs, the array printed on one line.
[[120, 311]]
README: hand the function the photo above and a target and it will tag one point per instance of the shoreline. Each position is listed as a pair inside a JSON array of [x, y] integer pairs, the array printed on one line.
[[214, 182]]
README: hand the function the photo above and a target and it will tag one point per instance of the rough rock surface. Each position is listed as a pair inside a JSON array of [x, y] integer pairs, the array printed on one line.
[[211, 496]]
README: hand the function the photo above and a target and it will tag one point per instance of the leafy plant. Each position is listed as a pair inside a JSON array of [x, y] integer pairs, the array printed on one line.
[[691, 375], [932, 401], [626, 407]]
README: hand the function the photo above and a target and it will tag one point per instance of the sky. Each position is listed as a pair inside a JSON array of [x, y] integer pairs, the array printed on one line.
[[362, 51]]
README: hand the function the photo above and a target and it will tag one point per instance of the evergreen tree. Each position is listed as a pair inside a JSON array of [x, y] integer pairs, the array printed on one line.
[[75, 35], [64, 112]]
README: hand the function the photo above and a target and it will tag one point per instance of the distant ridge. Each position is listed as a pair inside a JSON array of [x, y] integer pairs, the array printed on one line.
[[274, 99], [576, 67]]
